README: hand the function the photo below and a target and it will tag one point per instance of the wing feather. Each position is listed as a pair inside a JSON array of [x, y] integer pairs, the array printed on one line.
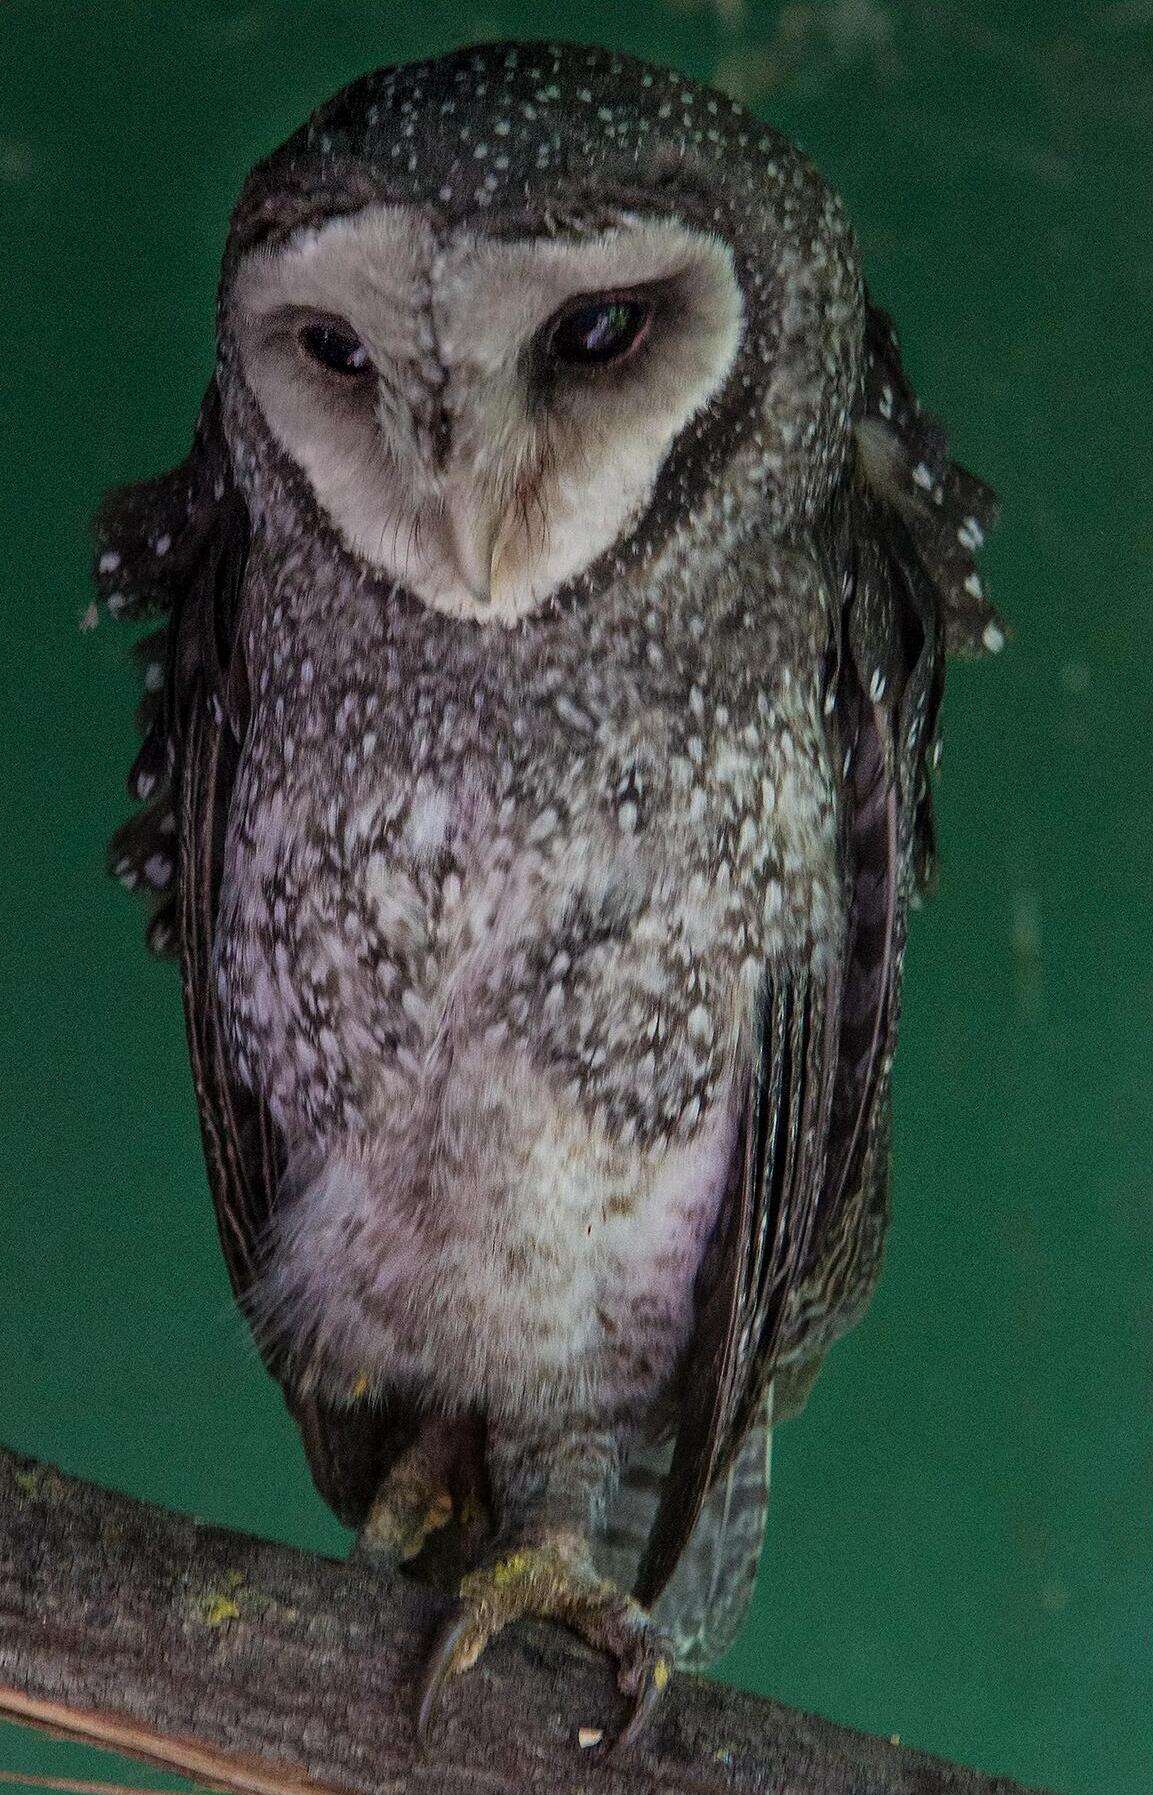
[[797, 1248], [195, 720], [756, 1257]]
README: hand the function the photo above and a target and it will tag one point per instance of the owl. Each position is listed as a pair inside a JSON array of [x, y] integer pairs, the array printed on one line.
[[552, 619]]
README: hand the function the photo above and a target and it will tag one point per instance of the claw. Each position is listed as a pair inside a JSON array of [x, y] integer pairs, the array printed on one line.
[[442, 1665], [552, 1584], [655, 1680]]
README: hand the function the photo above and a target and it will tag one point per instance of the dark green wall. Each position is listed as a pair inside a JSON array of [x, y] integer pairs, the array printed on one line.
[[959, 1548]]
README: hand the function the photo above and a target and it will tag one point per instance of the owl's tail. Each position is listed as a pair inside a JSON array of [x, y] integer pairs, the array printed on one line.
[[703, 1605]]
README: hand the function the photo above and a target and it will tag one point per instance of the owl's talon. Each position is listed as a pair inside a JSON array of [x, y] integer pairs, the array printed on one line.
[[413, 1502], [397, 1530], [654, 1680], [551, 1582], [447, 1660]]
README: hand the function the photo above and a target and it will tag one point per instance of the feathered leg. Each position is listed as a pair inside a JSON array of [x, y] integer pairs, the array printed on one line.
[[548, 1489]]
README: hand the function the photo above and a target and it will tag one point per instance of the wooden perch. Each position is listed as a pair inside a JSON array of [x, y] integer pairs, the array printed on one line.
[[253, 1667]]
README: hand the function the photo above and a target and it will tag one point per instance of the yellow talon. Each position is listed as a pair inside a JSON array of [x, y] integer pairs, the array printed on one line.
[[551, 1580]]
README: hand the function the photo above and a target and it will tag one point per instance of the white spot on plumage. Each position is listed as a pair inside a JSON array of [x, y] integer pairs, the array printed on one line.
[[690, 1115], [543, 824], [429, 818], [699, 1024], [415, 1007]]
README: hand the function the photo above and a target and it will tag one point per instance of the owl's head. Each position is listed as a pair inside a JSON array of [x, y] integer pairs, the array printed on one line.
[[529, 312]]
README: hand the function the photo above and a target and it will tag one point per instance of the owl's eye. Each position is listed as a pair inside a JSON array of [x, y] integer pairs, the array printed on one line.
[[594, 332], [335, 347]]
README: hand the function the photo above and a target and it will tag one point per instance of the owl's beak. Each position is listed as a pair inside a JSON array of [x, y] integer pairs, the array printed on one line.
[[473, 526]]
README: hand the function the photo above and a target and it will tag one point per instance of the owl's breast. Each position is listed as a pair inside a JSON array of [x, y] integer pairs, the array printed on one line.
[[500, 1005], [603, 908]]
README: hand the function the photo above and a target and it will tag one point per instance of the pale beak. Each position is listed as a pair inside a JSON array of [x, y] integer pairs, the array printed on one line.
[[472, 530]]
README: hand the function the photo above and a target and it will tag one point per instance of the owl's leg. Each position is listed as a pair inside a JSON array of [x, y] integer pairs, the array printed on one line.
[[548, 1489], [425, 1487]]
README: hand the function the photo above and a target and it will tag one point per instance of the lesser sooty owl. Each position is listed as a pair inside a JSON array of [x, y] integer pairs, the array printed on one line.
[[535, 780]]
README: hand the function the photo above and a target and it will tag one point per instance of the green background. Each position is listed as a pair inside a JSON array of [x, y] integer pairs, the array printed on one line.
[[960, 1548]]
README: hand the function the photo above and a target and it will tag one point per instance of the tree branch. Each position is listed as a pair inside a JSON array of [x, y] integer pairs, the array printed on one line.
[[255, 1668]]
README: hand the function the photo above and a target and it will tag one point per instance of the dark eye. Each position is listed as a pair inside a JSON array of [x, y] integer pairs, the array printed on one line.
[[594, 332], [337, 348]]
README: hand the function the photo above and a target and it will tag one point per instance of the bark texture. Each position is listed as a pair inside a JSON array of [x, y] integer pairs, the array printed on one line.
[[253, 1667]]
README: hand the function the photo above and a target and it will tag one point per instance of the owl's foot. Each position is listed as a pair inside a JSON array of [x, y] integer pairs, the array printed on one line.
[[414, 1502], [553, 1580]]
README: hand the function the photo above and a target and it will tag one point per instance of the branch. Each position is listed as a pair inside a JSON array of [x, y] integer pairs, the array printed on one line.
[[258, 1669]]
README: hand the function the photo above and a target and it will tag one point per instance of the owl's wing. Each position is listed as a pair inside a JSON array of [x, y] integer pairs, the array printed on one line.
[[797, 1247], [177, 546]]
